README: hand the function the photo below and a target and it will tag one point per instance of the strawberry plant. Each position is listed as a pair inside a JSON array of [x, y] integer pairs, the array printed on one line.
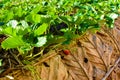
[[34, 23]]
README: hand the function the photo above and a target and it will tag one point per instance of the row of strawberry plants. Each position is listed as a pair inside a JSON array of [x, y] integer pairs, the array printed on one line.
[[38, 23]]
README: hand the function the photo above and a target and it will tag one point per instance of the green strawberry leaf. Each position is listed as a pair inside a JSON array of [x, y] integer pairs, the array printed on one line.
[[41, 29], [12, 42]]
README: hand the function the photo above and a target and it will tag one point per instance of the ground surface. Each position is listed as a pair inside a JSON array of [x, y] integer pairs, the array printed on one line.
[[92, 57]]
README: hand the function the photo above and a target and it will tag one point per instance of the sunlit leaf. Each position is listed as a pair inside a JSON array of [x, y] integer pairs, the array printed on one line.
[[41, 41], [9, 31], [24, 23], [113, 15], [0, 62], [12, 23], [36, 18]]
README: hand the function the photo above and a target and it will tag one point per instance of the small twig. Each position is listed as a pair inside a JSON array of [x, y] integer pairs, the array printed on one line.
[[46, 57], [16, 58], [109, 72], [9, 62], [36, 55]]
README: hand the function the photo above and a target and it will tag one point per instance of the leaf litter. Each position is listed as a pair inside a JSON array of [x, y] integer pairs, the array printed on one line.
[[92, 57]]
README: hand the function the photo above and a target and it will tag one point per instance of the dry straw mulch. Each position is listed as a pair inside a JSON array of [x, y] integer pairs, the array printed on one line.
[[92, 57]]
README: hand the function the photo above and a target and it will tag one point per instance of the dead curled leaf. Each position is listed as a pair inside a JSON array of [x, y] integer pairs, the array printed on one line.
[[91, 58]]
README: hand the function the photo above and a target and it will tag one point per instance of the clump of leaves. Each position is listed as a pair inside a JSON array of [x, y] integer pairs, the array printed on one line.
[[28, 24], [21, 36]]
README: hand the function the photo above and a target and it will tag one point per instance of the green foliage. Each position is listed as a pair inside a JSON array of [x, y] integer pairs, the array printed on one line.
[[41, 41], [41, 29], [12, 42], [0, 62], [27, 23]]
